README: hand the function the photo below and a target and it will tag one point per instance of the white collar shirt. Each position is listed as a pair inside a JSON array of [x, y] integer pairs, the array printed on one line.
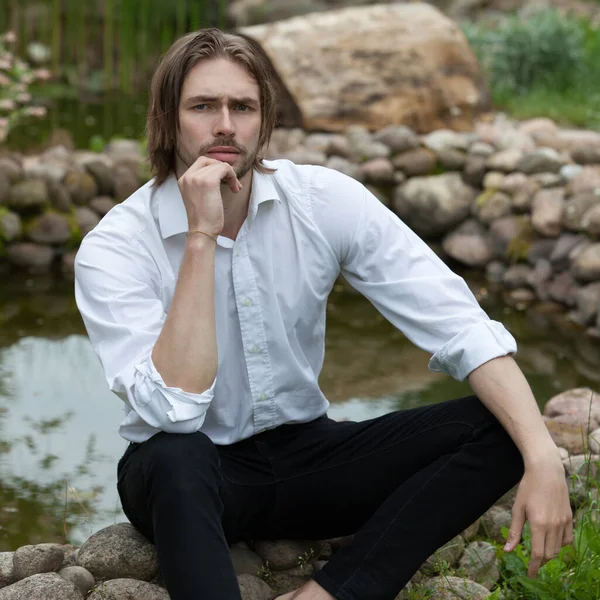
[[305, 226]]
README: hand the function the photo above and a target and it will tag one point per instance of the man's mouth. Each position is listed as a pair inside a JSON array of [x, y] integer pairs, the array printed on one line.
[[223, 153]]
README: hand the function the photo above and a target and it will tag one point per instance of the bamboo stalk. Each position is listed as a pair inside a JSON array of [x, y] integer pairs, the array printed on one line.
[[108, 43]]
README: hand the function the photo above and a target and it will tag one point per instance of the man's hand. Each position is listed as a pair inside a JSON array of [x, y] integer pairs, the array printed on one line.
[[200, 188], [543, 500]]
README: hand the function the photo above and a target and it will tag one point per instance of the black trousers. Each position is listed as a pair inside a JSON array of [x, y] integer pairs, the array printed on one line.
[[404, 484]]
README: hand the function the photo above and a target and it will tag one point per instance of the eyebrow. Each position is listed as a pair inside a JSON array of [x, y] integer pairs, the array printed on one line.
[[200, 99]]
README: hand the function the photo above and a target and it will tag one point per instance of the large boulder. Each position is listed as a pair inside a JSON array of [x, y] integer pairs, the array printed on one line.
[[455, 588], [49, 228], [283, 554], [130, 589], [39, 558], [376, 65], [578, 406], [7, 570], [434, 205], [29, 196], [46, 586], [253, 588], [480, 564]]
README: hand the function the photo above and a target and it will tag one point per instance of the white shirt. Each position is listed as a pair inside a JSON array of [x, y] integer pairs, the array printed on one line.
[[305, 226]]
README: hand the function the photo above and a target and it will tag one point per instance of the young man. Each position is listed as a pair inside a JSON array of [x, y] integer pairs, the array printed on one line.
[[204, 296]]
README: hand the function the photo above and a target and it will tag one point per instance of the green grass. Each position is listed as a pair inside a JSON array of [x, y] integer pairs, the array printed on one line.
[[544, 66]]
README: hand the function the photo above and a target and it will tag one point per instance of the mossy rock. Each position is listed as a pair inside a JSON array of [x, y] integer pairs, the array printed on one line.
[[484, 197]]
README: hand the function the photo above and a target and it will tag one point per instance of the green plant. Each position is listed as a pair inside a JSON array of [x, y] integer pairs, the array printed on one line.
[[306, 558], [266, 574]]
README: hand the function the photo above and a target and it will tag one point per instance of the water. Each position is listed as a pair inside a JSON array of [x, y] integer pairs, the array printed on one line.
[[58, 422]]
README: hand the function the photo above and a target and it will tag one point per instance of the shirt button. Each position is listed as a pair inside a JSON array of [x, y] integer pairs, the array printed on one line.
[[237, 252], [247, 302], [262, 397], [255, 350]]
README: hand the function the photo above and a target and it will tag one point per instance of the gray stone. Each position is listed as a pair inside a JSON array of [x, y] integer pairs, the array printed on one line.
[[101, 205], [474, 170], [577, 406], [362, 150], [548, 180], [583, 466], [586, 266], [506, 161], [129, 589], [480, 564], [289, 580], [547, 209], [493, 180], [586, 155], [246, 561], [283, 554], [81, 186], [479, 148], [451, 160], [587, 299], [339, 146], [576, 206], [541, 250], [433, 205], [471, 531], [413, 163], [494, 271], [86, 219], [378, 171], [539, 278], [505, 232], [320, 142], [300, 156], [521, 297], [10, 226], [566, 243], [455, 588], [493, 521], [523, 197], [490, 206], [4, 188], [446, 139], [101, 173], [123, 146], [49, 228], [82, 579], [7, 575], [513, 182], [253, 588], [449, 553], [397, 138], [47, 170], [468, 244], [542, 160], [126, 182], [67, 268], [33, 257], [45, 586], [562, 289], [39, 558], [569, 171], [59, 197], [28, 196], [593, 442], [11, 169], [343, 165], [590, 222], [587, 180], [119, 551], [517, 276]]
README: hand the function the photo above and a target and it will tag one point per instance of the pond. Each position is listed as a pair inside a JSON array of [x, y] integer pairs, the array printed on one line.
[[58, 422]]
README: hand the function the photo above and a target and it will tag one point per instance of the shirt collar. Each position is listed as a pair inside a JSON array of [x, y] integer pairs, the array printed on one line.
[[172, 217]]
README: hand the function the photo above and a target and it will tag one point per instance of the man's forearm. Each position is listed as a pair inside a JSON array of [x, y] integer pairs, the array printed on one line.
[[502, 387], [185, 353]]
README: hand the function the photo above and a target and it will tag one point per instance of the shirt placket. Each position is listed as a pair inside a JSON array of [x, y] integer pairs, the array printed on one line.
[[254, 340]]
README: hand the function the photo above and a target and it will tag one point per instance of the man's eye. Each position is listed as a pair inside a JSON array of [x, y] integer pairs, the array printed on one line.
[[243, 107], [200, 106]]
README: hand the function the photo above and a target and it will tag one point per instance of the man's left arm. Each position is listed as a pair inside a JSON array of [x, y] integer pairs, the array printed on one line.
[[542, 497]]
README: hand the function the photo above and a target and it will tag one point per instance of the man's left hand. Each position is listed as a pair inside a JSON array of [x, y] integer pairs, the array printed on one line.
[[543, 500]]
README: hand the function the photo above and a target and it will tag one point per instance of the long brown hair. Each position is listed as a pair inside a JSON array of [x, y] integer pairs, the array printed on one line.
[[162, 123]]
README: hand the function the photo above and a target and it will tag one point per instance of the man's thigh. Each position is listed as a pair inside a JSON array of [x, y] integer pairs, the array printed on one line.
[[331, 479]]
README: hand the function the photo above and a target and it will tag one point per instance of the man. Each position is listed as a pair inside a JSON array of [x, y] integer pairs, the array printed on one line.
[[204, 296]]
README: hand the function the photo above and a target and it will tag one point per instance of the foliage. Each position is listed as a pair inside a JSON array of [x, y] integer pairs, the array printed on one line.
[[16, 75], [545, 65]]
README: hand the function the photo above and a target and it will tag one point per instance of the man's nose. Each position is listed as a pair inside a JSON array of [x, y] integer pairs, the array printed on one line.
[[223, 123]]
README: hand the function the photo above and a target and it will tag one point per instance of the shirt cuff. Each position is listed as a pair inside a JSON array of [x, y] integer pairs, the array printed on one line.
[[472, 348], [184, 405]]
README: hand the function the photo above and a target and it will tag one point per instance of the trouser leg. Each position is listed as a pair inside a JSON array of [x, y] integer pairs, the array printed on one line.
[[177, 491], [405, 484]]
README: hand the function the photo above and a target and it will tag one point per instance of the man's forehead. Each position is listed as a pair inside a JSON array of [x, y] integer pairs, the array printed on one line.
[[220, 79]]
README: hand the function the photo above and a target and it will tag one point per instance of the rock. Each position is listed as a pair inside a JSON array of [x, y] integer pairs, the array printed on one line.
[[10, 226], [69, 550], [345, 166], [517, 276], [474, 171], [562, 289], [319, 142], [82, 579], [504, 232], [291, 579], [493, 521], [480, 564], [587, 299], [578, 406], [318, 565], [28, 196], [494, 271], [101, 173], [547, 211], [11, 169], [583, 466], [548, 180], [586, 155], [569, 139], [490, 206], [401, 64], [542, 160], [493, 180], [81, 186], [36, 168], [539, 278], [541, 250], [339, 146], [449, 553], [284, 140], [7, 575], [45, 586], [120, 147], [339, 542], [539, 125], [468, 244], [442, 140], [49, 228], [568, 172], [567, 435], [576, 206], [129, 589], [593, 443], [86, 219], [300, 157], [283, 554], [521, 297], [471, 531], [433, 205], [67, 265], [452, 160], [508, 500], [379, 194], [378, 171], [59, 197], [586, 266], [523, 197], [39, 558], [4, 188], [119, 551], [455, 588], [253, 588], [246, 561], [566, 243], [590, 222], [415, 162], [506, 161], [398, 138], [587, 180], [101, 205], [126, 182], [33, 257], [479, 148], [513, 182]]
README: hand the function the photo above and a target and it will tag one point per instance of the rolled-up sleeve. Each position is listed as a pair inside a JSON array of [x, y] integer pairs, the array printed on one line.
[[118, 293], [381, 257]]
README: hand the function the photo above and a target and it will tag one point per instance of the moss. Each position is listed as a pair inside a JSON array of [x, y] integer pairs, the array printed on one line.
[[483, 198], [3, 211], [519, 246], [76, 236]]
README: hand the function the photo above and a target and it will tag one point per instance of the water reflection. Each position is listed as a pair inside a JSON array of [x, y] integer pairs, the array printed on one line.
[[58, 422]]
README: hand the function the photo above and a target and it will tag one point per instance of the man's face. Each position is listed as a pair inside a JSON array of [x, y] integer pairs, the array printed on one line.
[[219, 115]]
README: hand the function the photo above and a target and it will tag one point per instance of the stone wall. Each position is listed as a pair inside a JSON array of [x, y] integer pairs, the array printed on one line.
[[518, 200]]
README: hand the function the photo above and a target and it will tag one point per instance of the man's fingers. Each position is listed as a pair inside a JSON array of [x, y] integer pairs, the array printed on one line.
[[537, 550], [568, 533], [516, 529]]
